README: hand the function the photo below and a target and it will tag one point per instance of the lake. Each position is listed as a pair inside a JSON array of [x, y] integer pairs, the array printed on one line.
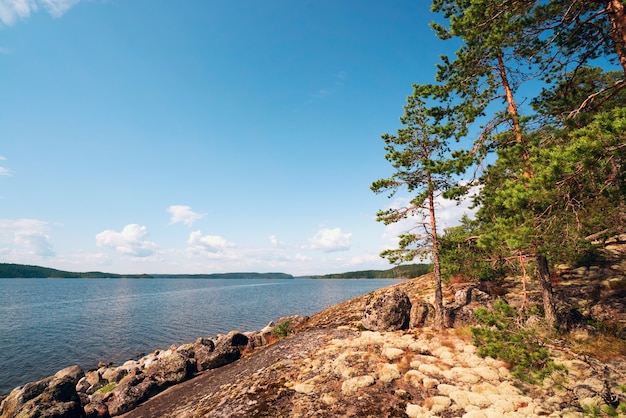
[[49, 324]]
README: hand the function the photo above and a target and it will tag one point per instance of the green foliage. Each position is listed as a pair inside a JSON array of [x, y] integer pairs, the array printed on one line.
[[107, 388], [282, 329], [425, 167], [502, 338], [462, 257], [406, 271], [604, 410]]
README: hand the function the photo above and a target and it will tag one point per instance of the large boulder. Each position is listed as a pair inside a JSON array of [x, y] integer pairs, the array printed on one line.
[[422, 314], [389, 311], [225, 352], [52, 397], [466, 300], [132, 390], [171, 369]]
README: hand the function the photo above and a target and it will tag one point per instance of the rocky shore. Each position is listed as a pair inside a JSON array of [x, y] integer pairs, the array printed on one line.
[[373, 356]]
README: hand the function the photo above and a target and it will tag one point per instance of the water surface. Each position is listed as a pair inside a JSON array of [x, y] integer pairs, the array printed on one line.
[[48, 324]]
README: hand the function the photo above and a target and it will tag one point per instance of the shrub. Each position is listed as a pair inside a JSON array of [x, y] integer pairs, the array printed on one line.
[[501, 337], [282, 329]]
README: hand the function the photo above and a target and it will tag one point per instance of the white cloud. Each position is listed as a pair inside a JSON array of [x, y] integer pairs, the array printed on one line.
[[13, 10], [183, 214], [130, 241], [3, 170], [210, 243], [26, 237], [275, 242], [448, 212], [330, 240]]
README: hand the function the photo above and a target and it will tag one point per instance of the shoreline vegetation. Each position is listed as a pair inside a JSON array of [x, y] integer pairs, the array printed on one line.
[[22, 271]]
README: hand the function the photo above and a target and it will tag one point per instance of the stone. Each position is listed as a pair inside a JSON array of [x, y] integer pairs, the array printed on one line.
[[52, 397], [389, 311], [96, 410], [171, 369], [114, 374], [225, 352], [73, 372], [132, 390], [421, 314]]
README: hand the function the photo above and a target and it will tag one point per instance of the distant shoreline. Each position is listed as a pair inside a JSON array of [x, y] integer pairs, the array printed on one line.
[[23, 271]]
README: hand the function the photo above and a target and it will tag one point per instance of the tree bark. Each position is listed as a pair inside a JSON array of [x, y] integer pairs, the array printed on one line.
[[439, 310], [617, 17], [512, 109], [546, 291]]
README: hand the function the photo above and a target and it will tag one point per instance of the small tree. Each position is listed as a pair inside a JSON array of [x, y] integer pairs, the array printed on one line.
[[425, 167]]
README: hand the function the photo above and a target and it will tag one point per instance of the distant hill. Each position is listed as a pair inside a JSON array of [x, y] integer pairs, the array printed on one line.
[[398, 272], [21, 271]]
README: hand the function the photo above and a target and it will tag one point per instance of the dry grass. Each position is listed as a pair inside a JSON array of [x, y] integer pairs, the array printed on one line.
[[602, 347], [464, 333]]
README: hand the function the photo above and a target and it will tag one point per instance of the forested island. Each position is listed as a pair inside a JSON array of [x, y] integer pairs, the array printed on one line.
[[408, 271], [21, 271]]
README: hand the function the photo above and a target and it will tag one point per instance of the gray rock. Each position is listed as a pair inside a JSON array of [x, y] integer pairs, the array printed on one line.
[[226, 351], [422, 314], [132, 390], [96, 410], [74, 372], [171, 369], [389, 311], [52, 397]]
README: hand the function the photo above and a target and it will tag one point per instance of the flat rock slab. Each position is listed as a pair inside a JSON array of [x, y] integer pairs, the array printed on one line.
[[181, 400]]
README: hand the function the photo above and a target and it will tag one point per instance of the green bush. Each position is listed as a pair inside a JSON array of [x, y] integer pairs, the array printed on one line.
[[282, 329], [502, 338]]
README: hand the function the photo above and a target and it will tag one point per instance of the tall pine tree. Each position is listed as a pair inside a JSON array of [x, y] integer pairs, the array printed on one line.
[[426, 168]]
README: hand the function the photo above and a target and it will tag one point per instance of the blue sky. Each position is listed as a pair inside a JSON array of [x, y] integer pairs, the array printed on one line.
[[203, 136]]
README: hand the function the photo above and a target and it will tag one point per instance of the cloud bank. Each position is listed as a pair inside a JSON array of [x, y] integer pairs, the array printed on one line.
[[183, 214], [13, 10], [131, 241], [26, 236], [331, 240], [209, 243]]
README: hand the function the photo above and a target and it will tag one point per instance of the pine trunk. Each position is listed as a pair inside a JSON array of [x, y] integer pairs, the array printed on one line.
[[439, 310], [513, 112], [617, 17], [546, 291]]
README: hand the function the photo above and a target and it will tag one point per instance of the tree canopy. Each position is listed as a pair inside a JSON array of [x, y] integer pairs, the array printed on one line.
[[555, 179]]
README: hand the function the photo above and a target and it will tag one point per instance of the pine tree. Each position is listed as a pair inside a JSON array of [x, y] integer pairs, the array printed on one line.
[[424, 166]]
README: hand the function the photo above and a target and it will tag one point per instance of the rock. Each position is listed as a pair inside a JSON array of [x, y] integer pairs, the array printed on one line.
[[461, 312], [170, 370], [389, 311], [421, 314], [226, 351], [203, 354], [73, 372], [114, 374], [52, 397], [96, 410], [132, 390]]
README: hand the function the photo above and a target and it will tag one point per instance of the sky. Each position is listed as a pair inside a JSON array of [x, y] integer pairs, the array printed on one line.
[[153, 136]]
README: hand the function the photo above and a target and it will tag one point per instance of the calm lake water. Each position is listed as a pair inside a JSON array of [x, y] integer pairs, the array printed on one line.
[[49, 324]]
